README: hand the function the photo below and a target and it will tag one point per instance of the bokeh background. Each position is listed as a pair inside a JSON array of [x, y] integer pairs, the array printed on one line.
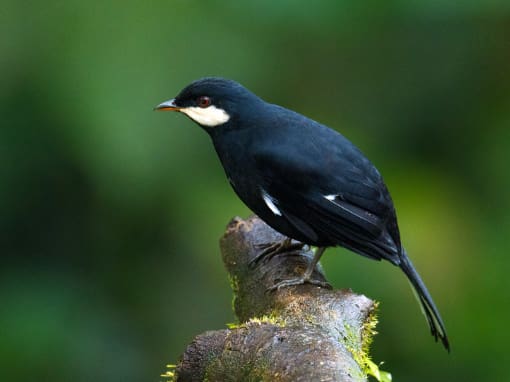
[[110, 214]]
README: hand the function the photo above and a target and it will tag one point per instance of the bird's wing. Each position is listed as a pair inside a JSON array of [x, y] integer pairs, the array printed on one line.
[[340, 196]]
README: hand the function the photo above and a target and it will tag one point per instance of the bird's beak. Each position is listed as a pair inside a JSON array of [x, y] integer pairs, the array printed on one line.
[[167, 105]]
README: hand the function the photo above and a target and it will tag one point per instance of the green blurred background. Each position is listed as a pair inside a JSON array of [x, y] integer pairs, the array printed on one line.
[[110, 214]]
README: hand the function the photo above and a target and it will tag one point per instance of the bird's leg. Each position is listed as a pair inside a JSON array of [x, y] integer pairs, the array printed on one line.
[[307, 276], [272, 249]]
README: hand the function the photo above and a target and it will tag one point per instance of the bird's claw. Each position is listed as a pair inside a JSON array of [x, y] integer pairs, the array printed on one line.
[[299, 281], [272, 249]]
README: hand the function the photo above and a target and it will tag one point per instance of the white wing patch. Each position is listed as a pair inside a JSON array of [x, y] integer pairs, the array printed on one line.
[[209, 116], [270, 203]]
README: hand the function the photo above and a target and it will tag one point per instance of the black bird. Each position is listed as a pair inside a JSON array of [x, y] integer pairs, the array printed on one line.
[[302, 178]]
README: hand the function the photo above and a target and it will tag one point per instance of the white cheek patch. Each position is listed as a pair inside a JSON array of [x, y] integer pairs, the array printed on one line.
[[270, 203], [209, 116]]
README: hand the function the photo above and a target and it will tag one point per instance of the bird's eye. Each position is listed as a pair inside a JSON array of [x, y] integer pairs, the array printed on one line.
[[203, 101]]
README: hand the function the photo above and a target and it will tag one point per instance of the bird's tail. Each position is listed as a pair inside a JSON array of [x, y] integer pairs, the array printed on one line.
[[427, 305]]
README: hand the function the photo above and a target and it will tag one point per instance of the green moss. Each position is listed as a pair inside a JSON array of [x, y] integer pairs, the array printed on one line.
[[272, 319], [170, 374], [234, 325], [234, 284], [361, 352]]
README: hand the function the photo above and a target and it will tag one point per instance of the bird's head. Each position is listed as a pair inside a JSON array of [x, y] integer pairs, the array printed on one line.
[[211, 101]]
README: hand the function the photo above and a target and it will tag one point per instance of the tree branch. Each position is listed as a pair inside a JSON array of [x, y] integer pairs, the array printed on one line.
[[299, 333]]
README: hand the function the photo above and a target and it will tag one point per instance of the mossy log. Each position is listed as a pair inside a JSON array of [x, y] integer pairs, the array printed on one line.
[[298, 333]]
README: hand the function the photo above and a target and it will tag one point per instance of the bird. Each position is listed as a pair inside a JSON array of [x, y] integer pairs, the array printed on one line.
[[304, 179]]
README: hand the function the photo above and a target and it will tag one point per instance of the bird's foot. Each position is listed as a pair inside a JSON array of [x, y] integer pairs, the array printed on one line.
[[299, 281], [269, 250]]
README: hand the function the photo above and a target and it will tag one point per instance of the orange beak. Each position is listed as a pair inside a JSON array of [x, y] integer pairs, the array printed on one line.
[[167, 106]]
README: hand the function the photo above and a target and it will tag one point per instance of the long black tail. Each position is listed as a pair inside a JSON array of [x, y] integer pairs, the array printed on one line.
[[427, 305]]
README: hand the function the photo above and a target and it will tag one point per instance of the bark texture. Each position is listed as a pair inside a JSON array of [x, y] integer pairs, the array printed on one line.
[[299, 333]]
